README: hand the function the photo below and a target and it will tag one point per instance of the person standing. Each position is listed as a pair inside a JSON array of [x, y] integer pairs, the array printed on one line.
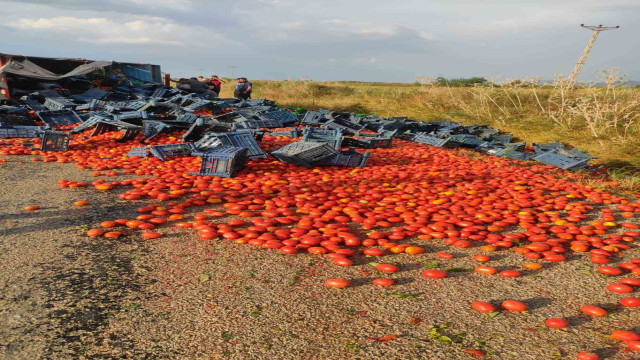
[[243, 89], [216, 84]]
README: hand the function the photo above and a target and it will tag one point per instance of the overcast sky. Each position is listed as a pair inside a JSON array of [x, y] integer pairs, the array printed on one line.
[[364, 40]]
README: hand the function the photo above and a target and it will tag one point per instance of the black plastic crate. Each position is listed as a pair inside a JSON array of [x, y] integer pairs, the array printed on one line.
[[562, 161], [162, 151], [293, 133], [430, 140], [21, 132], [59, 117], [346, 126], [236, 138], [197, 105], [59, 103], [331, 136], [34, 105], [304, 153], [350, 158], [187, 118], [54, 141], [312, 118], [259, 124], [91, 94], [465, 140], [282, 116], [130, 115], [223, 161], [201, 127], [152, 128], [140, 151]]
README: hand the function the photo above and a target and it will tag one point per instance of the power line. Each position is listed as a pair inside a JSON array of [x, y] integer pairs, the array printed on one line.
[[583, 57]]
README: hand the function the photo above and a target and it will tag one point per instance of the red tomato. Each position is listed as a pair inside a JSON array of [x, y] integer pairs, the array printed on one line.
[[609, 270], [630, 302], [383, 282], [624, 335], [151, 235], [486, 270], [509, 273], [633, 345], [630, 281], [593, 310], [585, 355], [514, 305], [373, 252], [342, 261], [475, 352], [482, 258], [387, 268], [619, 288], [483, 307], [434, 274], [557, 323], [337, 283]]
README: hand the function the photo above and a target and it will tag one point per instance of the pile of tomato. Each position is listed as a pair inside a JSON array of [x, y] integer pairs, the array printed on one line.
[[406, 194]]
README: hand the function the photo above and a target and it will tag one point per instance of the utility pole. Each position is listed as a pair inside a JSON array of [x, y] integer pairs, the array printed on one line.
[[583, 57], [233, 70]]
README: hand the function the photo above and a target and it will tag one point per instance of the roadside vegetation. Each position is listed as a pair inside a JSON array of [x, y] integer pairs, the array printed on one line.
[[603, 121]]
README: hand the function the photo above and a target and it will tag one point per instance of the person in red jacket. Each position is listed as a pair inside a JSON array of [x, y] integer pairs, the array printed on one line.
[[216, 83]]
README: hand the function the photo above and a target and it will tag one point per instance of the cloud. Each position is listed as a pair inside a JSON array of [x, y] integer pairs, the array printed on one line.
[[376, 29], [294, 25], [169, 4], [138, 30]]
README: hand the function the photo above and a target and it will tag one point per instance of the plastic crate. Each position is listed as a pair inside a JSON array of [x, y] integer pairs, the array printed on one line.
[[294, 133], [162, 151], [284, 117], [561, 161], [21, 132], [152, 128], [465, 140], [59, 117], [54, 141], [304, 153], [34, 105], [346, 126], [91, 105], [355, 142], [331, 136], [259, 124], [223, 161], [129, 134], [201, 127], [350, 158], [501, 139], [91, 94], [543, 148], [430, 140], [187, 118], [312, 118], [140, 151], [59, 103], [159, 93], [197, 105], [129, 115], [237, 138], [92, 121]]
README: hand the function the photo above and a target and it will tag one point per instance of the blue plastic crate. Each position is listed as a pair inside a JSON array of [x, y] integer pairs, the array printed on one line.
[[129, 115], [347, 127], [188, 118], [223, 161], [259, 124], [91, 94], [152, 128]]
